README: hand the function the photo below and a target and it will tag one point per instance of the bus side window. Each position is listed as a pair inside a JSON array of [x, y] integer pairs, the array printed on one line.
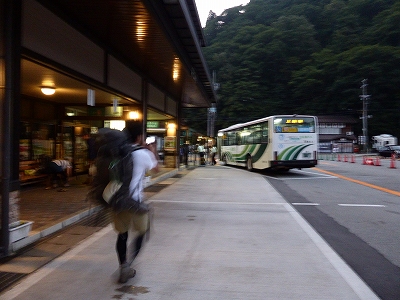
[[238, 138], [264, 135], [225, 140], [242, 136], [252, 138], [231, 138]]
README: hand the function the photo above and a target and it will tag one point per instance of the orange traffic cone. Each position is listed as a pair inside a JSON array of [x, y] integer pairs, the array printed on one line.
[[392, 163], [353, 159], [369, 161], [338, 157], [377, 161]]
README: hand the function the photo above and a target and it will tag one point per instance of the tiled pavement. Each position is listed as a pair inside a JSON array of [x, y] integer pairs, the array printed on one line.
[[50, 208]]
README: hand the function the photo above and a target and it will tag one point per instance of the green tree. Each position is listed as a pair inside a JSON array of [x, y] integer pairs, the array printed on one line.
[[306, 56]]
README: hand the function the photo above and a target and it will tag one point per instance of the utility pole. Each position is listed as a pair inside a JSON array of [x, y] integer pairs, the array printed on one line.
[[212, 111], [365, 97]]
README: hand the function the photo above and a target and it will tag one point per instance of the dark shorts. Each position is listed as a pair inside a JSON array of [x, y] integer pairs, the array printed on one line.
[[126, 220], [53, 168]]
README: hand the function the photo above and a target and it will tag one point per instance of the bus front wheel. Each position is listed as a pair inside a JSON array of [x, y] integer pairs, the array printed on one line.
[[249, 164]]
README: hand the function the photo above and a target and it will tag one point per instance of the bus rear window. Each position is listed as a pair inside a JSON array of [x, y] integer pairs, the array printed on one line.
[[294, 125]]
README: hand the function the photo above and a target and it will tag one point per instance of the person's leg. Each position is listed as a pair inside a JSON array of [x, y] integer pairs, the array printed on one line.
[[64, 178], [138, 245], [122, 223], [121, 247], [141, 225], [54, 170]]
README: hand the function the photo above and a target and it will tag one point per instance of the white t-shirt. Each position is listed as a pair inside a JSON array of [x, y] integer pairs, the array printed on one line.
[[143, 161], [62, 163]]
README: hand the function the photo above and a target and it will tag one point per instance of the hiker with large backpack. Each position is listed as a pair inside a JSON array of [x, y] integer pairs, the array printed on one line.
[[125, 158]]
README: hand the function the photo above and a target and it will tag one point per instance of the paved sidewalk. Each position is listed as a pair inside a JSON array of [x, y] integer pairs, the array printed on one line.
[[218, 233]]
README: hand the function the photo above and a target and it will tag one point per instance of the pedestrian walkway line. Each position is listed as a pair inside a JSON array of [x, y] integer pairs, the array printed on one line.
[[340, 204], [362, 205], [373, 186], [35, 277], [217, 202]]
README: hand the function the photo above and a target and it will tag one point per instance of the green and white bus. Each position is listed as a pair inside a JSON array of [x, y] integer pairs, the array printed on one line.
[[277, 142]]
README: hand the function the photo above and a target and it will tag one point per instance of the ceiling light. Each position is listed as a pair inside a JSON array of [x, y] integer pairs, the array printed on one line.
[[48, 90], [133, 115]]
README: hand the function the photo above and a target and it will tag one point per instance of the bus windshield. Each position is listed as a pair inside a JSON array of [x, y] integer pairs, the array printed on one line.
[[294, 125]]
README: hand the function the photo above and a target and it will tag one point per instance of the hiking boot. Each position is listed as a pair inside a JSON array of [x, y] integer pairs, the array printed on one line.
[[126, 272]]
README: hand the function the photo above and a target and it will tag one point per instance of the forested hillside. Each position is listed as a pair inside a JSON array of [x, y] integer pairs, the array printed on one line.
[[305, 56]]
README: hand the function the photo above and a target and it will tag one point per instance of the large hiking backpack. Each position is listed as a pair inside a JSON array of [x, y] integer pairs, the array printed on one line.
[[121, 171], [114, 164], [110, 144]]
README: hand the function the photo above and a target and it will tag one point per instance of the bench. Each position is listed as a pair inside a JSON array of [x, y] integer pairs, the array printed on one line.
[[27, 172]]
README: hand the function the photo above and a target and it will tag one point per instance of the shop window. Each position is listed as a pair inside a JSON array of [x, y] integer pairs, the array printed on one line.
[[76, 111], [115, 124], [43, 140], [111, 111], [25, 145]]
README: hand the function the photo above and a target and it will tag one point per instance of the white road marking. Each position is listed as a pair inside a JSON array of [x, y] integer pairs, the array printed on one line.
[[309, 178], [312, 173], [315, 175], [362, 205], [305, 204], [341, 204], [355, 282], [216, 202]]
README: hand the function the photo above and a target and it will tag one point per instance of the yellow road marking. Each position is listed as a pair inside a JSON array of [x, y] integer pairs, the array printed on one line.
[[396, 193]]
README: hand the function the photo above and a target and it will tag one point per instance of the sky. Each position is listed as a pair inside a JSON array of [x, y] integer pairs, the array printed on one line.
[[217, 6]]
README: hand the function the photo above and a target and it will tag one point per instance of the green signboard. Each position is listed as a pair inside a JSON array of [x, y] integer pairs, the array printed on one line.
[[153, 124]]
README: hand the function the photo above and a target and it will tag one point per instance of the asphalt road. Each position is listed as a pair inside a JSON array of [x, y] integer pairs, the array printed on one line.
[[356, 209]]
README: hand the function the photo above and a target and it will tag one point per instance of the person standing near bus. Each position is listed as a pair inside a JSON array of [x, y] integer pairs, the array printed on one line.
[[201, 151], [213, 153]]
